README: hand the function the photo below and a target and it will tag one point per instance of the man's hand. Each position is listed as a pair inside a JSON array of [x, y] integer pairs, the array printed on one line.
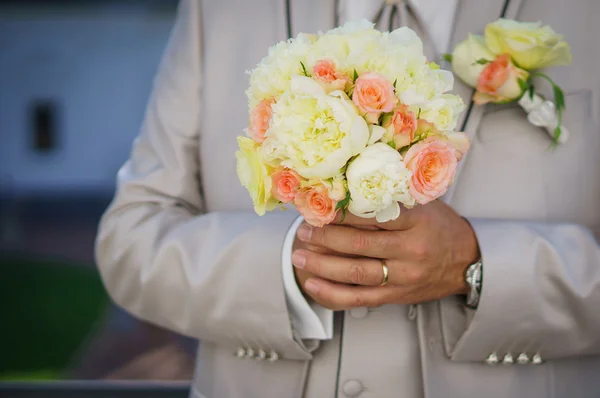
[[427, 250]]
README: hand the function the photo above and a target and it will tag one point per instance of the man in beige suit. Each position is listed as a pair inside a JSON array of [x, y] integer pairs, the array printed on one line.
[[181, 247]]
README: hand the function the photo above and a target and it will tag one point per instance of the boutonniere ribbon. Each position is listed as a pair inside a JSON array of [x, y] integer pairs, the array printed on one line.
[[503, 66]]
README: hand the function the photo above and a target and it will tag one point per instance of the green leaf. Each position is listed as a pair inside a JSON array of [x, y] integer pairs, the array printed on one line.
[[355, 75], [447, 57], [342, 204], [419, 114], [557, 132], [559, 97], [523, 85], [392, 145], [482, 61], [395, 82], [531, 92], [304, 69]]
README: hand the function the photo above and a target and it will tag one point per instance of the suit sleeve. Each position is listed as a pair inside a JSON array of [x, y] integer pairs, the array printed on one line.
[[214, 276], [541, 294]]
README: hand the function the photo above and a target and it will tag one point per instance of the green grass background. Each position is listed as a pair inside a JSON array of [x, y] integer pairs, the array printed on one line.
[[47, 311]]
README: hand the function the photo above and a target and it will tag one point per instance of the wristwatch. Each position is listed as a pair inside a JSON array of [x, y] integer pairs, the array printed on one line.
[[474, 278]]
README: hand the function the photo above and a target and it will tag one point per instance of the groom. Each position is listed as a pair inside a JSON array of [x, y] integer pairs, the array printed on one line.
[[502, 303]]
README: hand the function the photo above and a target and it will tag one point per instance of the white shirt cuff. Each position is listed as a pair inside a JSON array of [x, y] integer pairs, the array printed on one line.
[[309, 320]]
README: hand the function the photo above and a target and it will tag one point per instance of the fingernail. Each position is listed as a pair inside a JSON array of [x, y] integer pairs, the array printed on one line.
[[311, 286], [304, 232], [298, 259]]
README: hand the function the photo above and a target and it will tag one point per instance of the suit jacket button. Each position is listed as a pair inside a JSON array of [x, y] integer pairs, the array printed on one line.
[[508, 359], [240, 353], [492, 359], [261, 354], [273, 356], [537, 359], [250, 353], [523, 359], [352, 388], [359, 312]]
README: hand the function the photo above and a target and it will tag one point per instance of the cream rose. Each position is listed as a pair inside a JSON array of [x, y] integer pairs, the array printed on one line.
[[530, 45], [377, 181], [465, 57]]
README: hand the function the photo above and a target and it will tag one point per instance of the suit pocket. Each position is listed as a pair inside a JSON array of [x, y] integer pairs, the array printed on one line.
[[220, 374]]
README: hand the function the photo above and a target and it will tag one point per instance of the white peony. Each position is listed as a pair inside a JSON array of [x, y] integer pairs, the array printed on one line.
[[354, 28], [272, 75], [377, 181], [317, 133], [407, 38]]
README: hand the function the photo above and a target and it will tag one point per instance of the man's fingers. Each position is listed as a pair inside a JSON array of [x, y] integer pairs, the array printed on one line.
[[342, 297], [355, 241], [358, 271]]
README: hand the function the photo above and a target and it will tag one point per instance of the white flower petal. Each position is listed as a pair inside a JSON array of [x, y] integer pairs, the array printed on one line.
[[376, 179], [390, 213], [376, 133], [303, 84]]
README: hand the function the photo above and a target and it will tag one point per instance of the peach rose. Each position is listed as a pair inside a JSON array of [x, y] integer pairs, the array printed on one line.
[[460, 141], [433, 165], [325, 73], [315, 205], [373, 94], [260, 117], [499, 81], [285, 185], [401, 126], [425, 129]]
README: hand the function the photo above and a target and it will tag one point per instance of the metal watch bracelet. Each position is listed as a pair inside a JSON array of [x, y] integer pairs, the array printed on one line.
[[474, 278]]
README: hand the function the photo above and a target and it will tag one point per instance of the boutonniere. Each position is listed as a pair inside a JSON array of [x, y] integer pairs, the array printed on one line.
[[502, 66]]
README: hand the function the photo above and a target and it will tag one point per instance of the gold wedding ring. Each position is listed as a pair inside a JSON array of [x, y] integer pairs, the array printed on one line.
[[386, 273]]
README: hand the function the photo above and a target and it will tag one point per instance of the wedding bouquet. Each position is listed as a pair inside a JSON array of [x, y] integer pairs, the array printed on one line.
[[349, 120]]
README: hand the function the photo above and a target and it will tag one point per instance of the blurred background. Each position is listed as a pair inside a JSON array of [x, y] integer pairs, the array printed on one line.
[[75, 76]]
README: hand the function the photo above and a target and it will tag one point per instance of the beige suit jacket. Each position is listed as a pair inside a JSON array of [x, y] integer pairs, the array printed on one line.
[[181, 247]]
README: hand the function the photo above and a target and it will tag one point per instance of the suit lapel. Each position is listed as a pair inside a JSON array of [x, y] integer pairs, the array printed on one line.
[[471, 17]]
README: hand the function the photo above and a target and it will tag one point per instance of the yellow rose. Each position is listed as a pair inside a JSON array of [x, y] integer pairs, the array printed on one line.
[[254, 175], [530, 45]]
